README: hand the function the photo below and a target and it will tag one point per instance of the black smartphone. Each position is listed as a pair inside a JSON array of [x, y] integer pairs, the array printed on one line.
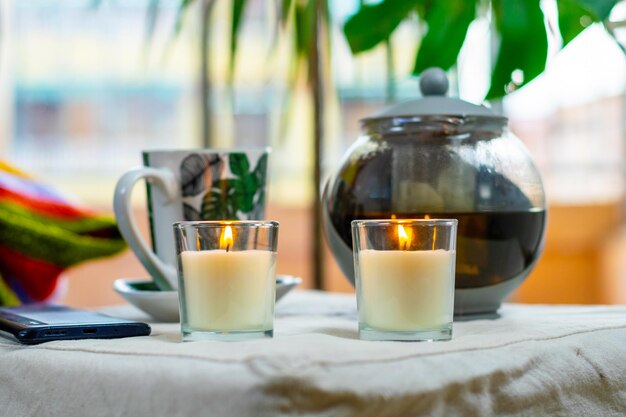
[[40, 323]]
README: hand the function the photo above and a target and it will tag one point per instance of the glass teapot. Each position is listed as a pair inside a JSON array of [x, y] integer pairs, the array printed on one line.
[[441, 157]]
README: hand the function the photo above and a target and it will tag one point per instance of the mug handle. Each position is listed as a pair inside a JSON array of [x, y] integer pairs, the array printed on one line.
[[163, 274]]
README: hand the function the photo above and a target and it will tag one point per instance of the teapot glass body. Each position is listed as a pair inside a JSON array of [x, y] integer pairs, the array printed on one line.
[[472, 169]]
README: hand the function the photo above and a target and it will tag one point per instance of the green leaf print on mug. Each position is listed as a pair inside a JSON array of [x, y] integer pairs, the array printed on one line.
[[230, 198]]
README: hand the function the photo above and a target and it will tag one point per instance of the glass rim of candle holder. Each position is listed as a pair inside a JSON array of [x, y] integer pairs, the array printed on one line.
[[227, 278], [383, 222], [404, 273], [219, 223]]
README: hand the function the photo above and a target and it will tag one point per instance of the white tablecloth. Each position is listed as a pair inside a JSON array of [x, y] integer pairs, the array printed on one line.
[[531, 361]]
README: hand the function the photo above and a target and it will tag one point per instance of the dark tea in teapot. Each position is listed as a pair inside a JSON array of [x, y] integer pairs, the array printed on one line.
[[492, 247]]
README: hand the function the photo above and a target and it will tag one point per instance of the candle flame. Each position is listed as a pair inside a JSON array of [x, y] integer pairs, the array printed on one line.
[[403, 238], [427, 217], [226, 240]]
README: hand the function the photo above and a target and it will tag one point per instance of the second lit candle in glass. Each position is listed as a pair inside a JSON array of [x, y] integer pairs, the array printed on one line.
[[405, 278]]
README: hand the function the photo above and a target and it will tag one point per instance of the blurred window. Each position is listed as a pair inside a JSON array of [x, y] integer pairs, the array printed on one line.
[[84, 91]]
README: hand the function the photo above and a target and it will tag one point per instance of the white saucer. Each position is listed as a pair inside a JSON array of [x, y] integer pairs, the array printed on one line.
[[163, 305]]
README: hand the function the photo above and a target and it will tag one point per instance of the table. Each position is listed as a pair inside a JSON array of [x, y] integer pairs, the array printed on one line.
[[531, 361]]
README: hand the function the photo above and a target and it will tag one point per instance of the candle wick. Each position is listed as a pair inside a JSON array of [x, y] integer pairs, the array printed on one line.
[[227, 247]]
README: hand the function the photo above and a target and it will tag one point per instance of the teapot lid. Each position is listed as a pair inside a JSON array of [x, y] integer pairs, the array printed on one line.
[[434, 86]]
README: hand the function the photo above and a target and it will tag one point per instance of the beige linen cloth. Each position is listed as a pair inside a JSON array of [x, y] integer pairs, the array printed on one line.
[[531, 361]]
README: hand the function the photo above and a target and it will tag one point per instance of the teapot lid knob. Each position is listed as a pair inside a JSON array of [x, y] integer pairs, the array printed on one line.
[[434, 82], [434, 101]]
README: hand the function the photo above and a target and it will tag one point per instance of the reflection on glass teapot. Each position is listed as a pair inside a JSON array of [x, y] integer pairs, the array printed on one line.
[[441, 157]]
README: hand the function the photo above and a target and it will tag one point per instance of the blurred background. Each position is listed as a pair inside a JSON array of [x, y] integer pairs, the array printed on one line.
[[86, 85]]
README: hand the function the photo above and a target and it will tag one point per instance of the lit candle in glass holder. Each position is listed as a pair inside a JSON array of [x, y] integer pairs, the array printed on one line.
[[405, 278], [227, 278]]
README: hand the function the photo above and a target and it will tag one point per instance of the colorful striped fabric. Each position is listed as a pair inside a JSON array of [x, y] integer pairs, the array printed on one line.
[[41, 234]]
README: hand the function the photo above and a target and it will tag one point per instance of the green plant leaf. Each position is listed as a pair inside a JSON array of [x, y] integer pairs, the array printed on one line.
[[304, 19], [523, 44], [239, 164], [239, 7], [301, 14], [236, 198], [447, 21], [245, 190], [570, 17], [574, 13], [219, 203], [285, 8], [229, 196], [600, 9], [180, 14], [372, 24]]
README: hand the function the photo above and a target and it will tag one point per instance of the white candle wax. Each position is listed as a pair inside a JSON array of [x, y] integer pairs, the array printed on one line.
[[406, 290], [229, 290]]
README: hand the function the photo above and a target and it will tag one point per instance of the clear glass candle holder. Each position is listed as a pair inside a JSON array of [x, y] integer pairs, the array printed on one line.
[[404, 272], [226, 278]]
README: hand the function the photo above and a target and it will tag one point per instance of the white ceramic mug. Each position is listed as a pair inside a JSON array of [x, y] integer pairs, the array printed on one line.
[[201, 184]]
